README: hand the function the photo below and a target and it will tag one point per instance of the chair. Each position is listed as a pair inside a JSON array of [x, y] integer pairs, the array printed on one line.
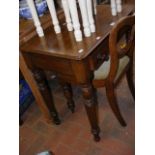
[[121, 48]]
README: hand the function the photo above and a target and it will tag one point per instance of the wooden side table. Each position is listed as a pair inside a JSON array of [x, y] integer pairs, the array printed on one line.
[[26, 32], [71, 61]]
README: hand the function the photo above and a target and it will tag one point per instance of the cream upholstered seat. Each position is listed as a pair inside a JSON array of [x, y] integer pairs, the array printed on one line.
[[103, 71]]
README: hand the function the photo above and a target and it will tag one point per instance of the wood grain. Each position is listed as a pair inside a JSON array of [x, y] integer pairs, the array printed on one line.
[[64, 44]]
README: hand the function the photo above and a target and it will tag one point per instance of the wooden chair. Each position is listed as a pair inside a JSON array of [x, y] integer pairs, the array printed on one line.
[[121, 48]]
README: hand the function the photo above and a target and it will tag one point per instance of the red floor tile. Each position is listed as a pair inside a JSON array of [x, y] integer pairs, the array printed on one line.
[[73, 136]]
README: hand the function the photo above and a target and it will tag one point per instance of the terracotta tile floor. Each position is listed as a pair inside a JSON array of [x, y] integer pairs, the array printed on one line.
[[73, 136]]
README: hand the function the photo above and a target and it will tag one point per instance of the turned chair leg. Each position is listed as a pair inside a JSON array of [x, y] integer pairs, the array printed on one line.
[[129, 76], [113, 104]]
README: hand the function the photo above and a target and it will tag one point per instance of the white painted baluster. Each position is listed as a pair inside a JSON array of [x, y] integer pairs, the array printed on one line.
[[67, 15], [90, 15], [52, 10], [76, 24], [84, 13], [35, 18], [113, 7], [119, 5]]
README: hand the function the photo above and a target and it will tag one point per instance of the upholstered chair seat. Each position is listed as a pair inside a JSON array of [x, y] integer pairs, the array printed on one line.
[[103, 70]]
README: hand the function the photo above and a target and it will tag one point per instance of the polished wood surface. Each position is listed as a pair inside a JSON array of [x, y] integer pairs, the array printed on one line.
[[74, 62], [64, 44], [27, 29], [26, 32]]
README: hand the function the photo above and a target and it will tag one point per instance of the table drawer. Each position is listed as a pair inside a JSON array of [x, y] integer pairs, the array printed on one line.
[[45, 62]]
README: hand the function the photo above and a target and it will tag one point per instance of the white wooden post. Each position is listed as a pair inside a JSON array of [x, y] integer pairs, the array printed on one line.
[[90, 15], [74, 14], [52, 10], [119, 5], [35, 18], [84, 13], [67, 15], [113, 7]]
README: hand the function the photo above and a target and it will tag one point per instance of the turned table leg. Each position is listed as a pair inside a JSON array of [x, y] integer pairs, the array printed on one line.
[[42, 83], [67, 89], [91, 106]]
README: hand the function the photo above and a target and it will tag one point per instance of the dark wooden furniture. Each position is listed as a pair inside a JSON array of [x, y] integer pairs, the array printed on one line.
[[121, 48], [30, 80], [26, 32], [73, 62]]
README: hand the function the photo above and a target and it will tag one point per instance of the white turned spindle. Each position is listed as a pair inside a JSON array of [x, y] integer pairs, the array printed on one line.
[[67, 15], [113, 7], [75, 19], [90, 15], [84, 13], [119, 5], [35, 18], [55, 21]]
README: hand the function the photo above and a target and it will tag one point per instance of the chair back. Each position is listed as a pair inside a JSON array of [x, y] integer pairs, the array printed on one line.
[[121, 43]]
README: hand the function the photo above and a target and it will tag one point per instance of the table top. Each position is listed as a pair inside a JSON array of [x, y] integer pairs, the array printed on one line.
[[27, 29], [64, 44]]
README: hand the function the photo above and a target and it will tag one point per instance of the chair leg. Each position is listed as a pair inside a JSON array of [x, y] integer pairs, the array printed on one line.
[[129, 76], [113, 104]]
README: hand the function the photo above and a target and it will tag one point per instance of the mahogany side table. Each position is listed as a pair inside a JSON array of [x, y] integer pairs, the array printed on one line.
[[73, 62]]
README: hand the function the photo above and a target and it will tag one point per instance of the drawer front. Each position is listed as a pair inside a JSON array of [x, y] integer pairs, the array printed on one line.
[[56, 65], [99, 55]]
